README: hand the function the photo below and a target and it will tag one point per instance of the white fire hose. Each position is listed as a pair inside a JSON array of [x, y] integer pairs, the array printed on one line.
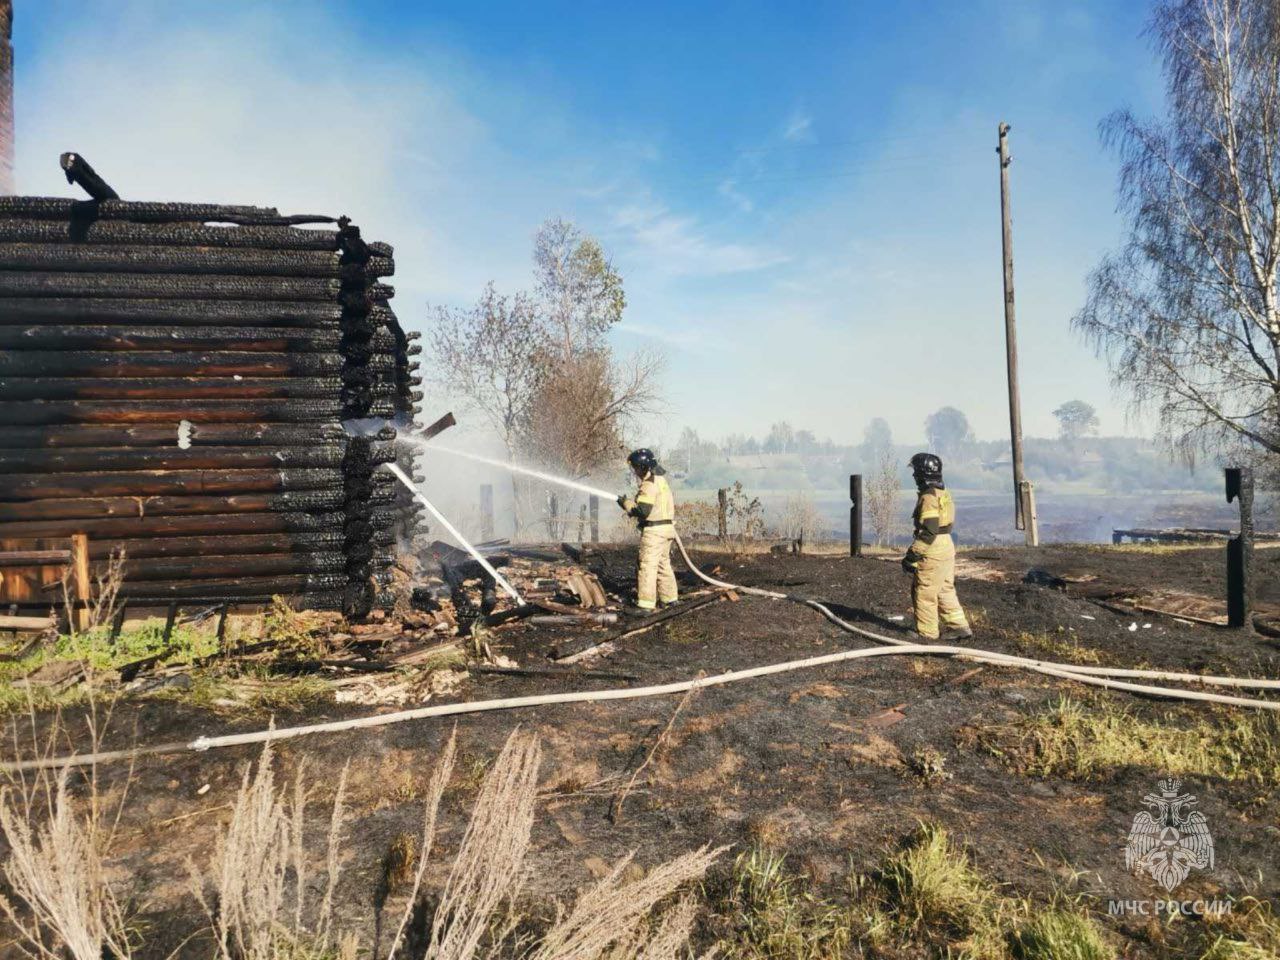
[[1092, 676]]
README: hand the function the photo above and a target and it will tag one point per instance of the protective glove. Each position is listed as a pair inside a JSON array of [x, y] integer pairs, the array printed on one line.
[[626, 503], [910, 561]]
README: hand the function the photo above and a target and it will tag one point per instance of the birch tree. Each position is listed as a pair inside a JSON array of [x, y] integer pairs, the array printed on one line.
[[1186, 309]]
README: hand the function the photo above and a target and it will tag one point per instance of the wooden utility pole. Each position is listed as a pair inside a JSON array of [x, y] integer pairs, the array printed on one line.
[[1023, 494], [6, 98]]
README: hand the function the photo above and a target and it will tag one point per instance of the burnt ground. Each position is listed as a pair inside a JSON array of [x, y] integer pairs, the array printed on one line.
[[817, 763]]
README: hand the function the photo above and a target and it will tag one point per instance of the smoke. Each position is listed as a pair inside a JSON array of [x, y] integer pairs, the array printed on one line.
[[285, 106]]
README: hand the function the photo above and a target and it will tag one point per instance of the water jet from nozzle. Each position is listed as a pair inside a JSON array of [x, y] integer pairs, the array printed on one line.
[[516, 468], [453, 531]]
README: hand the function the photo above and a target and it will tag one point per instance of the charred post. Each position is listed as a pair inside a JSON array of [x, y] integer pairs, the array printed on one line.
[[1240, 551]]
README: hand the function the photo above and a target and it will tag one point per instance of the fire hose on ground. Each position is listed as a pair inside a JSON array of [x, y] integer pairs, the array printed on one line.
[[1094, 676]]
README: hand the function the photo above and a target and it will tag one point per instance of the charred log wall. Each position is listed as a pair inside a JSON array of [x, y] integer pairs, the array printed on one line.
[[174, 382]]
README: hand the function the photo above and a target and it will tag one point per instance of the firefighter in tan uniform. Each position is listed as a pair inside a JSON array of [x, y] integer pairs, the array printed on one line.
[[931, 561], [654, 509]]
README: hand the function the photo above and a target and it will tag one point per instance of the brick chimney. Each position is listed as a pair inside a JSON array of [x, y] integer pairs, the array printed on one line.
[[6, 97]]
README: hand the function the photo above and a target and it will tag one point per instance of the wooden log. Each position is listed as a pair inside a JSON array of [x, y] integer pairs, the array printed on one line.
[[331, 540], [249, 362], [34, 558], [103, 459], [9, 622], [88, 336], [87, 211], [578, 646], [219, 589], [89, 507], [38, 412], [271, 435], [145, 483], [155, 529], [178, 287], [186, 313], [153, 259], [232, 567], [178, 388], [178, 234]]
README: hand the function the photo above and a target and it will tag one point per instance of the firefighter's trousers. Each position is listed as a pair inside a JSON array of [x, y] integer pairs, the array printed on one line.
[[933, 589], [656, 581]]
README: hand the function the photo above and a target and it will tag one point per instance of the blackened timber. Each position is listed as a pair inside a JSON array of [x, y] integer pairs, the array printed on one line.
[[34, 412], [236, 339], [188, 260], [144, 483], [176, 286], [200, 526], [232, 545], [170, 312], [220, 363], [177, 234], [79, 171], [176, 388], [232, 567], [60, 208], [68, 436], [98, 459], [215, 588], [95, 337], [90, 507]]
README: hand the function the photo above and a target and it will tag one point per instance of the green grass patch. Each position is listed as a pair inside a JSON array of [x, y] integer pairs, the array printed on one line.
[[926, 899], [1060, 933], [1079, 739]]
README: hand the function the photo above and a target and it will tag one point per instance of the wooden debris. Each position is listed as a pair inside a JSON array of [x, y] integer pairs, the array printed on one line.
[[572, 649]]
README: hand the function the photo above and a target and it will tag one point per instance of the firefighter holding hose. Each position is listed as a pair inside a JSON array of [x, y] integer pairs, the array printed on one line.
[[654, 509], [931, 561]]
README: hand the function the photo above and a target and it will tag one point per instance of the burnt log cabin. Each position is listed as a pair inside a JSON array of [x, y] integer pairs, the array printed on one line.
[[209, 389]]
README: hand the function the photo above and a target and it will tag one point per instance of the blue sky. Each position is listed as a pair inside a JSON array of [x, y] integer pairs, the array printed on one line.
[[803, 198]]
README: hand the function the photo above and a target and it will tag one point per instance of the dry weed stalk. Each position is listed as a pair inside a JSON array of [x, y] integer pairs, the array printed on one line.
[[258, 871], [440, 775], [59, 901], [489, 868], [613, 911]]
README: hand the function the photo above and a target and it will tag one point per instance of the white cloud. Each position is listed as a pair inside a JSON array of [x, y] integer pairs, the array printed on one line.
[[729, 190], [677, 245], [799, 126]]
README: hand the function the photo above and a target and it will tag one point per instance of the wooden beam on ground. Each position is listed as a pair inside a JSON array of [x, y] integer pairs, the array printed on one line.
[[575, 648], [25, 623]]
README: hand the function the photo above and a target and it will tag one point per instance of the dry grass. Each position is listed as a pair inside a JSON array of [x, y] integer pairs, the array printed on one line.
[[59, 901], [613, 912], [254, 888], [487, 872], [267, 891]]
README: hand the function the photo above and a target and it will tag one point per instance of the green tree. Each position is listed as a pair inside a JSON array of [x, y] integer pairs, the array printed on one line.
[[579, 292], [1075, 420], [1187, 311], [947, 431]]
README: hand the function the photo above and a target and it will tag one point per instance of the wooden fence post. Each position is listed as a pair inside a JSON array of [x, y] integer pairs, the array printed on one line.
[[80, 574], [594, 504], [1240, 551], [722, 513], [855, 514]]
